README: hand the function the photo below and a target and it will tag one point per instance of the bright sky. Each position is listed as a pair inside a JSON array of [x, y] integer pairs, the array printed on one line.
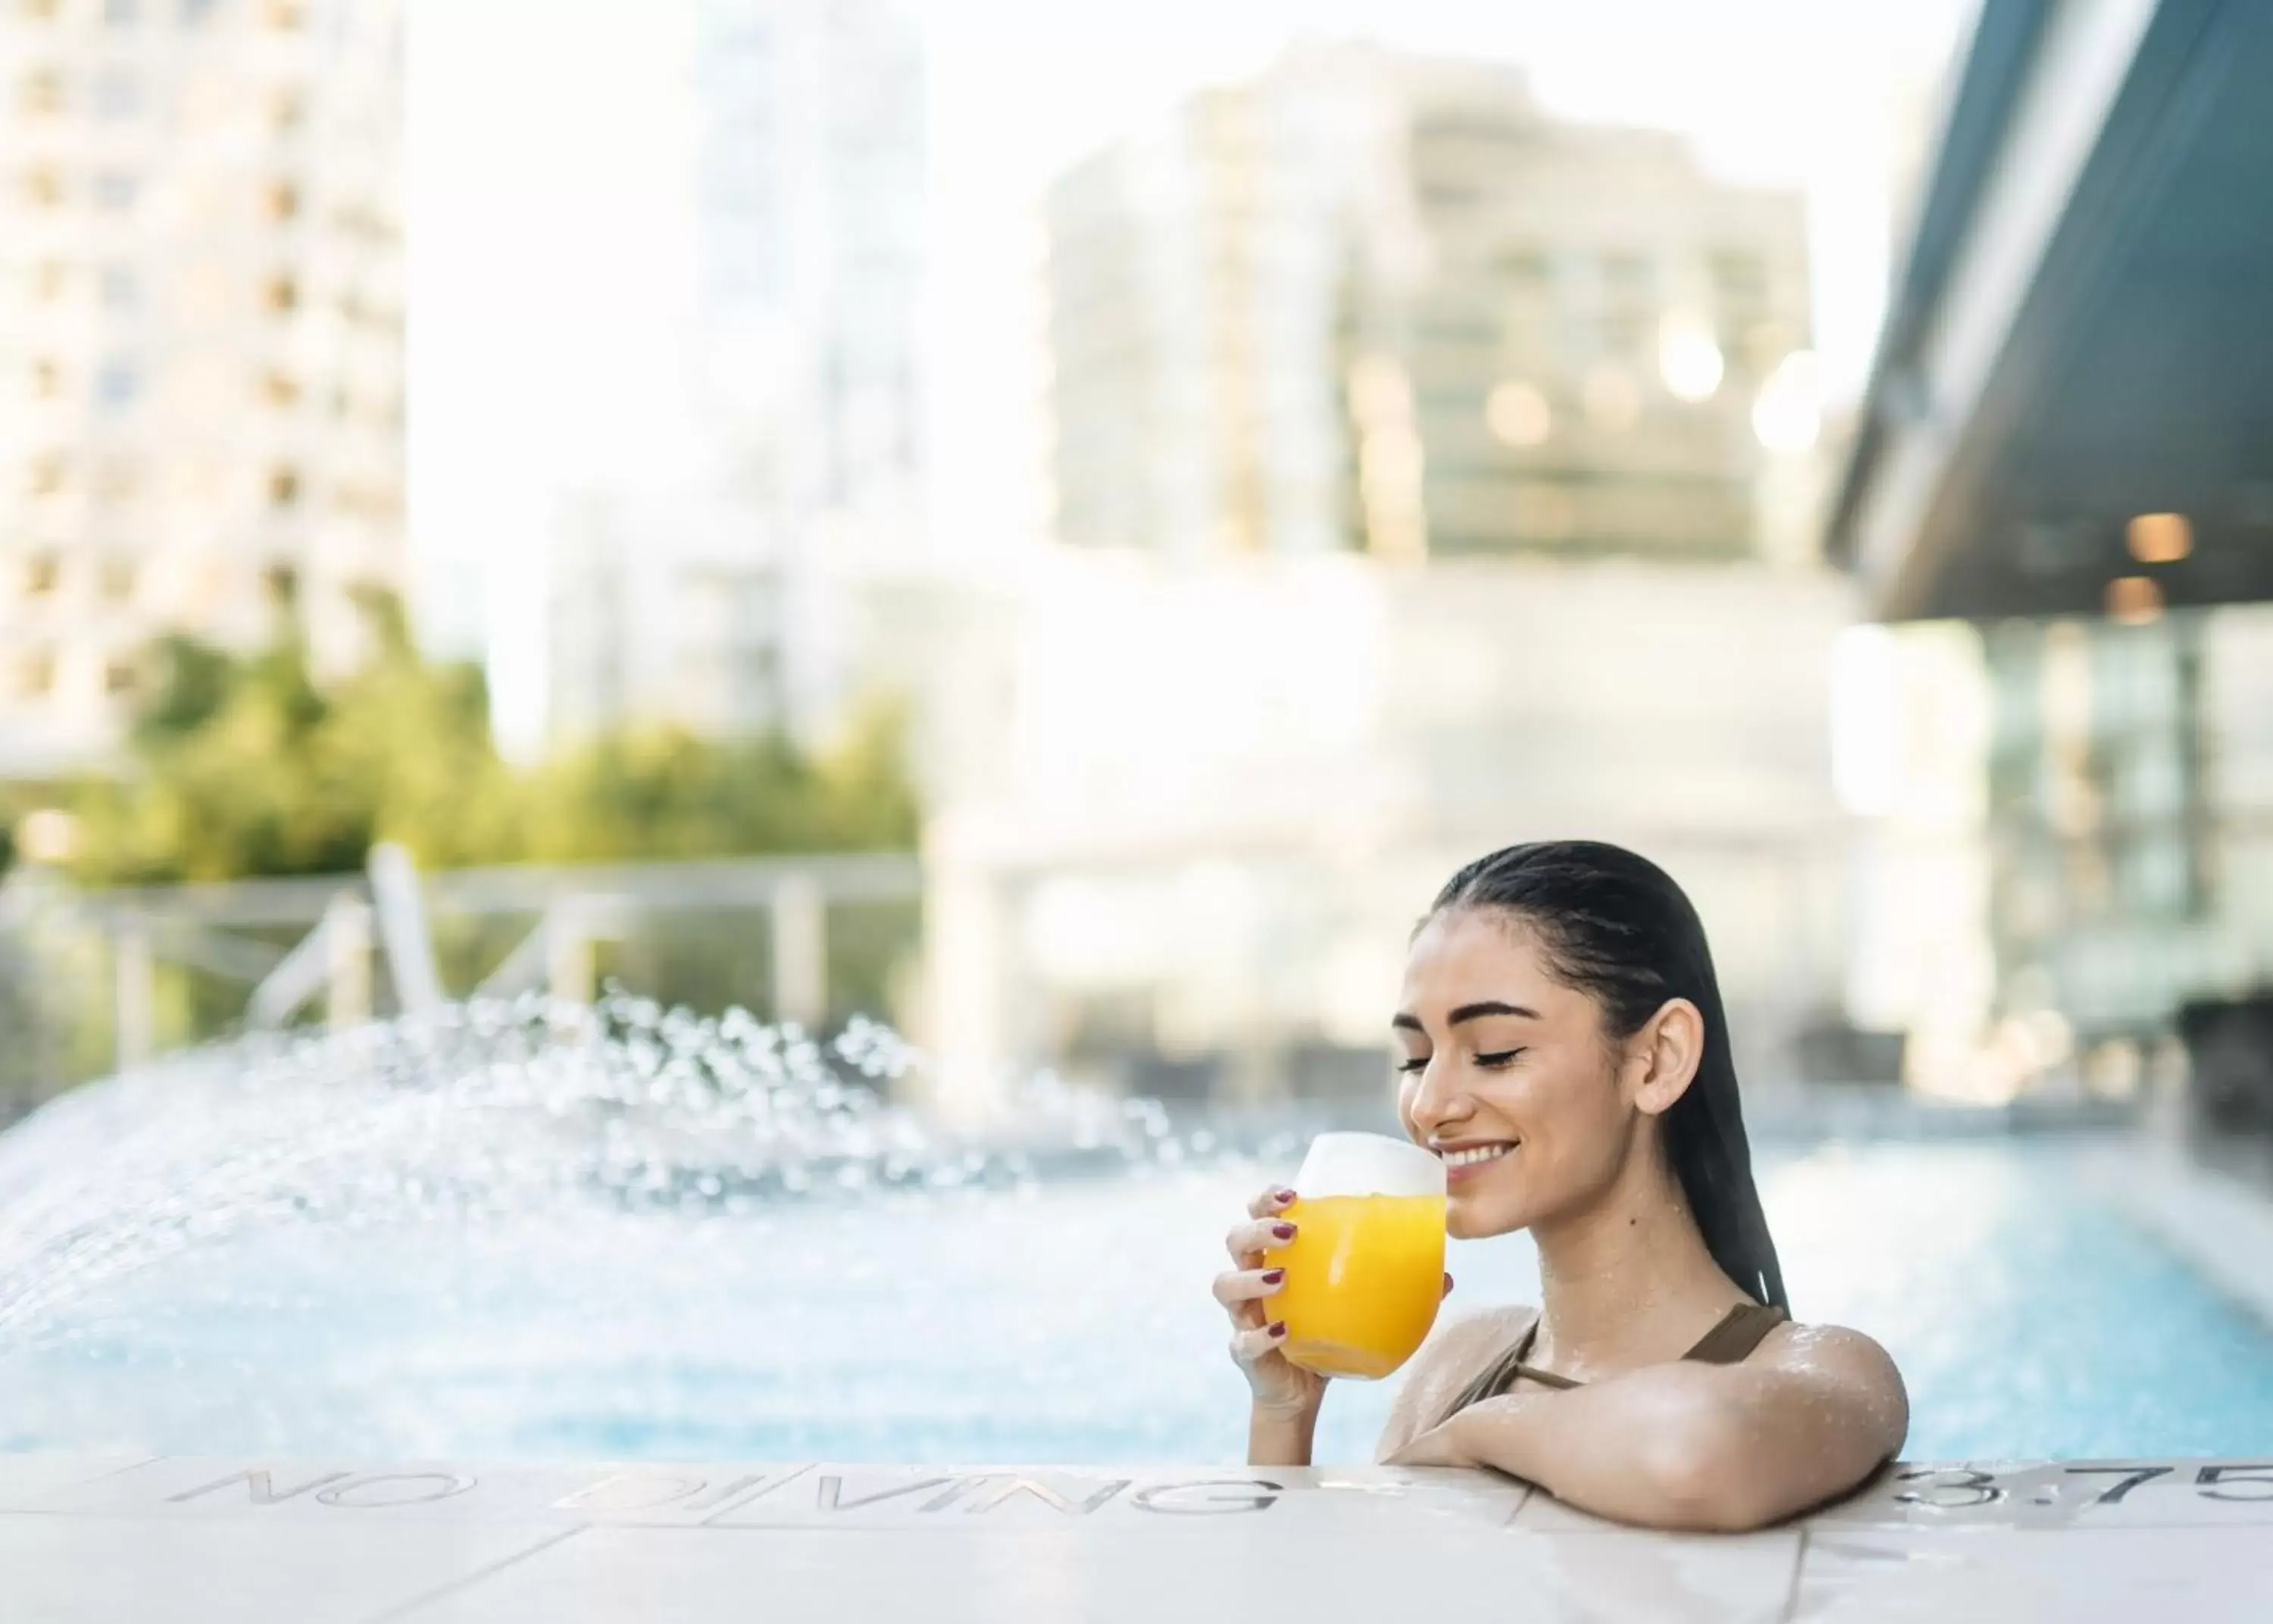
[[551, 248]]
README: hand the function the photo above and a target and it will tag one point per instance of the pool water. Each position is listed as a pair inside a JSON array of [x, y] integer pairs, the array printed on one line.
[[1061, 1322]]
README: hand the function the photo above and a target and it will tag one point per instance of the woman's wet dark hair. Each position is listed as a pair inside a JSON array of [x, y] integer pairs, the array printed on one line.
[[1615, 926]]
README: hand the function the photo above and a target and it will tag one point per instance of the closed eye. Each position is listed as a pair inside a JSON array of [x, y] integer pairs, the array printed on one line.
[[1418, 1063], [1493, 1062]]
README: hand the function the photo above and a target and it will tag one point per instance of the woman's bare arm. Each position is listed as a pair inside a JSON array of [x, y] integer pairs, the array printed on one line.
[[1692, 1446]]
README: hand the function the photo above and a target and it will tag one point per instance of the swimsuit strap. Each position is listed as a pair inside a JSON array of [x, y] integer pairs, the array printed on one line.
[[1517, 1370], [1505, 1369], [1739, 1331]]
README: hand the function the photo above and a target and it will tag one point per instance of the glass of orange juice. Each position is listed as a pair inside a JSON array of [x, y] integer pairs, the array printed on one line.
[[1366, 1268]]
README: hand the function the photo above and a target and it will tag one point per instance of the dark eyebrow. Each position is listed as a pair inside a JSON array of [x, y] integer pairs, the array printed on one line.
[[1466, 1012], [1490, 1007]]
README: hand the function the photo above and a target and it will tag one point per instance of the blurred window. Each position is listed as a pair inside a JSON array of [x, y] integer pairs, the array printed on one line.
[[41, 93], [1627, 334], [117, 95], [43, 572], [48, 475], [46, 377], [286, 109], [1526, 268], [121, 13], [282, 201], [121, 289], [287, 16], [1741, 275], [118, 384], [283, 295], [283, 487], [43, 187], [116, 191], [118, 677], [117, 578], [1740, 287], [196, 11], [41, 10], [51, 280], [115, 480], [279, 388], [1629, 276], [1459, 329], [35, 675]]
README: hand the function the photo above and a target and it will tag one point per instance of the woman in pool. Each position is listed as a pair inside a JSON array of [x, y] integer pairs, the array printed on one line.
[[1564, 1054]]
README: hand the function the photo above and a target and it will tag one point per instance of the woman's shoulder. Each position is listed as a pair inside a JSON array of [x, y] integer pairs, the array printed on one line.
[[1834, 1353], [1840, 1373]]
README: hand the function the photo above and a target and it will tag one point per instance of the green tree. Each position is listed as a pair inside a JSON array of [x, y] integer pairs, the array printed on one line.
[[666, 793], [243, 765]]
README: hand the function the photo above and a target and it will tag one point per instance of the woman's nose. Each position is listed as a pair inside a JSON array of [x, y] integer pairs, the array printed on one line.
[[1435, 1099]]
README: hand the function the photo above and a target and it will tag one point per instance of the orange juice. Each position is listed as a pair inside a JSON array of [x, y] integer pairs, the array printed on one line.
[[1364, 1274]]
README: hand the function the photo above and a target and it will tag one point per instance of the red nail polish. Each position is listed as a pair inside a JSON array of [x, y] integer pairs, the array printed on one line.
[[1273, 1277], [1278, 1327], [1284, 1231], [1282, 1196]]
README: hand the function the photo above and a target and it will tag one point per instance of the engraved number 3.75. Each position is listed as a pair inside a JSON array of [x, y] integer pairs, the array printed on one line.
[[1969, 1488], [2210, 1478]]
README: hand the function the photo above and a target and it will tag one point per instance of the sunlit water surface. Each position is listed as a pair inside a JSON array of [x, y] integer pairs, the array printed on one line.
[[628, 1239]]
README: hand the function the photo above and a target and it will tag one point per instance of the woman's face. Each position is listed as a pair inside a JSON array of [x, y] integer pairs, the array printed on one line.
[[1507, 1075]]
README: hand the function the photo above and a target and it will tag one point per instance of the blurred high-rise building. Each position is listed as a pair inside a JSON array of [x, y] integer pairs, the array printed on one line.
[[1366, 309], [810, 194], [1383, 302], [664, 612], [200, 336]]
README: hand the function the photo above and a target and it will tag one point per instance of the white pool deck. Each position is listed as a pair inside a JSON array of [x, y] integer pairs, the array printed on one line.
[[202, 1541]]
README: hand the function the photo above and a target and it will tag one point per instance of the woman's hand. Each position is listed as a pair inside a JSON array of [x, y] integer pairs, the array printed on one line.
[[1282, 1389]]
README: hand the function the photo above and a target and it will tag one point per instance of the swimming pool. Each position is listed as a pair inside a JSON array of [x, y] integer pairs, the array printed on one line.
[[1058, 1322]]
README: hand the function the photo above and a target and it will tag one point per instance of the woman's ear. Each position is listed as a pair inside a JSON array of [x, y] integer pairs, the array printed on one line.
[[1667, 1053]]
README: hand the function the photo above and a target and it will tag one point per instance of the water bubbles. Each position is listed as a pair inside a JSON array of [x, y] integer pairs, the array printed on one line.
[[500, 1109], [873, 1049]]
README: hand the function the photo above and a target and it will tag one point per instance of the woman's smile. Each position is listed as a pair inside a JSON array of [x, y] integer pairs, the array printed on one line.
[[1466, 1160]]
